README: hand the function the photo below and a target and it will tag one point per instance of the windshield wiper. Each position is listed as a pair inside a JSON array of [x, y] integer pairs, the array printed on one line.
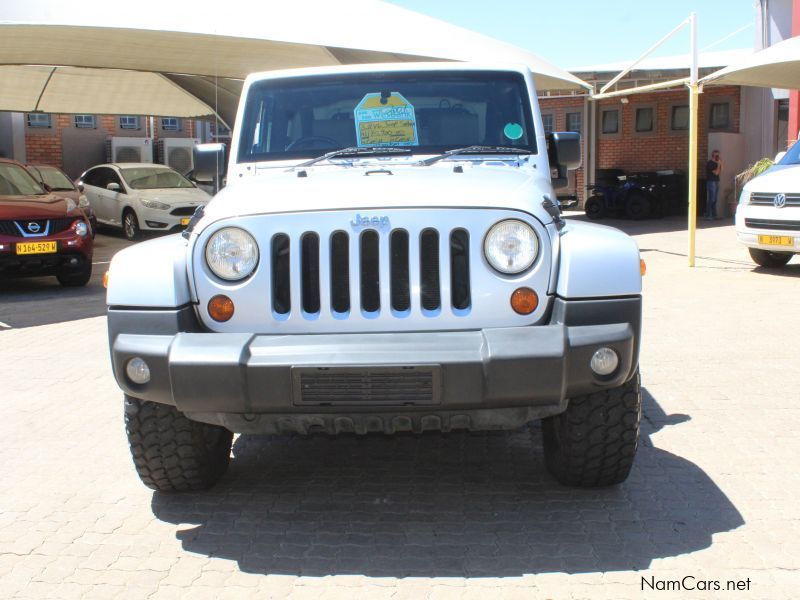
[[354, 151], [472, 150]]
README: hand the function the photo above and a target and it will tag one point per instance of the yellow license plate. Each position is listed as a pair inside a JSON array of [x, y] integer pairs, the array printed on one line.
[[37, 247], [776, 240], [185, 222]]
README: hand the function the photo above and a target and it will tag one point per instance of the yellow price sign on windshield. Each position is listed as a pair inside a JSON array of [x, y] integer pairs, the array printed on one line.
[[385, 119]]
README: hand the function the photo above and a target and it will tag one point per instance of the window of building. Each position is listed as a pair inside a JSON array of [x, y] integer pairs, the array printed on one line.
[[679, 118], [129, 122], [171, 124], [645, 119], [609, 121], [574, 121], [548, 122], [85, 122], [720, 115], [39, 120]]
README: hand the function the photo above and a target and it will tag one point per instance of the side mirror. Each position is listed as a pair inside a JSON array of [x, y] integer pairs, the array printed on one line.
[[564, 154], [80, 187], [779, 156], [209, 164], [47, 188], [113, 187]]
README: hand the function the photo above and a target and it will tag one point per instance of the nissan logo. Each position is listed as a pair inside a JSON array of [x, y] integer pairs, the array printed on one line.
[[780, 200], [34, 227]]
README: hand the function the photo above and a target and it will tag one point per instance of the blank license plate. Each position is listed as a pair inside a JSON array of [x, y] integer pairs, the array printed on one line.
[[37, 247], [776, 240]]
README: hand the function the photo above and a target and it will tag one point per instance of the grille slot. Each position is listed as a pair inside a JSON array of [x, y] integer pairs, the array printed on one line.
[[406, 385], [400, 287], [370, 275], [778, 224], [459, 270], [183, 211], [309, 254], [8, 228], [281, 298], [340, 272], [429, 269]]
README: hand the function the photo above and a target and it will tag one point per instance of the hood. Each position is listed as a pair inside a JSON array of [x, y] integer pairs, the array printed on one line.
[[175, 195], [487, 184], [49, 206], [779, 178]]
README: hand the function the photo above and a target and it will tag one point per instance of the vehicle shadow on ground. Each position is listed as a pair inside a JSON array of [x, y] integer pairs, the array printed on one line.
[[29, 302], [656, 225], [459, 505]]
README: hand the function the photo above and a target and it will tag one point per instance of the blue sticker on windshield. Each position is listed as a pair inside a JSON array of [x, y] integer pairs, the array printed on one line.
[[513, 131], [385, 119]]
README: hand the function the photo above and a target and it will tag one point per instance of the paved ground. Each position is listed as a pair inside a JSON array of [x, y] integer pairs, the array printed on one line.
[[41, 300], [713, 494]]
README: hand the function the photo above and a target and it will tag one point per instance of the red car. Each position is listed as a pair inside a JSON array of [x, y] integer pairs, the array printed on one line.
[[55, 180], [41, 233]]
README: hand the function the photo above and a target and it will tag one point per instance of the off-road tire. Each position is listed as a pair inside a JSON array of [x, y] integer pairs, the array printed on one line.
[[79, 279], [130, 226], [595, 207], [637, 206], [172, 453], [765, 258], [594, 442]]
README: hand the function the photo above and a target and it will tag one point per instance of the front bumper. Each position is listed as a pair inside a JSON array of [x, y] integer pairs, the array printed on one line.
[[152, 219], [786, 229], [73, 255], [480, 379]]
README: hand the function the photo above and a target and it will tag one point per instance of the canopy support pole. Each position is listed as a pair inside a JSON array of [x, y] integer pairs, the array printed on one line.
[[693, 109]]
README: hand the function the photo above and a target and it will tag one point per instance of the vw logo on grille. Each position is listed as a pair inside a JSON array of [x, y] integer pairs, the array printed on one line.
[[780, 200], [34, 227]]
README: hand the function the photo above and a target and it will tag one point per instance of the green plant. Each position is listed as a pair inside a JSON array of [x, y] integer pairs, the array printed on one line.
[[752, 171]]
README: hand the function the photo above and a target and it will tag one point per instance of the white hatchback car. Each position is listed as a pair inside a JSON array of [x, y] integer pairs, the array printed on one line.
[[141, 197], [768, 215]]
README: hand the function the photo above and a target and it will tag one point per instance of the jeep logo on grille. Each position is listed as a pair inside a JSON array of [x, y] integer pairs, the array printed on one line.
[[34, 227], [376, 222], [780, 200]]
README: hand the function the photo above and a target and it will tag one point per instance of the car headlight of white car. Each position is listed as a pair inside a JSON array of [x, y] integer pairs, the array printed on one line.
[[83, 202], [154, 204], [232, 254], [511, 246]]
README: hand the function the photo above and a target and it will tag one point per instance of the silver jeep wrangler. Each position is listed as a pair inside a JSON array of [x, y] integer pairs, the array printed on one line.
[[388, 256]]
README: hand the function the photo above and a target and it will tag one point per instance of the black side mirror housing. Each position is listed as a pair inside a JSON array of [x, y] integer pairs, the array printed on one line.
[[564, 154]]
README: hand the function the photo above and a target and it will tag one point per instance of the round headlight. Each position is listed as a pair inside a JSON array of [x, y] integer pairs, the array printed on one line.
[[511, 246], [232, 254]]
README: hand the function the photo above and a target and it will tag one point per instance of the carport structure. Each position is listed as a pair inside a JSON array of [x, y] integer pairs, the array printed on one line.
[[189, 59]]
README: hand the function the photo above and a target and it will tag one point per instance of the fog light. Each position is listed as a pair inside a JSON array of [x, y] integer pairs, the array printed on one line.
[[138, 371], [605, 361], [524, 301], [220, 308]]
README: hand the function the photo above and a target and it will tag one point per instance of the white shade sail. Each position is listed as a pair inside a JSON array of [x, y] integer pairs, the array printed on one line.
[[775, 67], [204, 47]]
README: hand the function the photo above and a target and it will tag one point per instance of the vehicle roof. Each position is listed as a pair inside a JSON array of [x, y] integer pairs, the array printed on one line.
[[127, 165], [389, 67], [11, 161]]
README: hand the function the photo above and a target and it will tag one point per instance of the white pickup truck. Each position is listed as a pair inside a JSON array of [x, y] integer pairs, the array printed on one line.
[[388, 256]]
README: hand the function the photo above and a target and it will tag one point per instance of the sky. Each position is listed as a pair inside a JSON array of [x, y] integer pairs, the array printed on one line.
[[574, 33]]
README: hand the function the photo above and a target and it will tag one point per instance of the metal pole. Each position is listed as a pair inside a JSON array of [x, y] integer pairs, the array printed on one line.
[[693, 101]]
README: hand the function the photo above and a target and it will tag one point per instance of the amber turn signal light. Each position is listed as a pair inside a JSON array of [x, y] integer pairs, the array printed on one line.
[[524, 301], [642, 267], [220, 308], [105, 279]]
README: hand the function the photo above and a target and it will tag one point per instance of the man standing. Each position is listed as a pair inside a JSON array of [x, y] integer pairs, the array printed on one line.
[[713, 170]]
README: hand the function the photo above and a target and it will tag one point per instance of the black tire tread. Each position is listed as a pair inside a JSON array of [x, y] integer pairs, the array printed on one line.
[[79, 279], [765, 258], [593, 443], [172, 453]]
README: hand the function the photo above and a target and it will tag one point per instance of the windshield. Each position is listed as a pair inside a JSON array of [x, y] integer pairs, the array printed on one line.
[[792, 156], [147, 178], [428, 112], [52, 177], [16, 181]]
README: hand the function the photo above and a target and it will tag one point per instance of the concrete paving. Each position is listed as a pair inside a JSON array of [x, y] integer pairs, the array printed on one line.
[[712, 497]]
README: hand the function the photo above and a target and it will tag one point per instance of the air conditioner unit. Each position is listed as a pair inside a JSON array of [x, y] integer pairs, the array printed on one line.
[[177, 153], [129, 149]]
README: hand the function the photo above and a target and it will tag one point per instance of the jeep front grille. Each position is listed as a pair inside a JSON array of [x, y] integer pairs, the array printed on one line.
[[365, 251]]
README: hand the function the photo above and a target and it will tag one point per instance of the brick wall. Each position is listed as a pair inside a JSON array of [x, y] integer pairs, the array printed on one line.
[[661, 149]]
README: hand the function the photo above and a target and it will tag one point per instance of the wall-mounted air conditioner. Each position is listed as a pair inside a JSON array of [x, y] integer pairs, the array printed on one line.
[[177, 153], [129, 149]]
